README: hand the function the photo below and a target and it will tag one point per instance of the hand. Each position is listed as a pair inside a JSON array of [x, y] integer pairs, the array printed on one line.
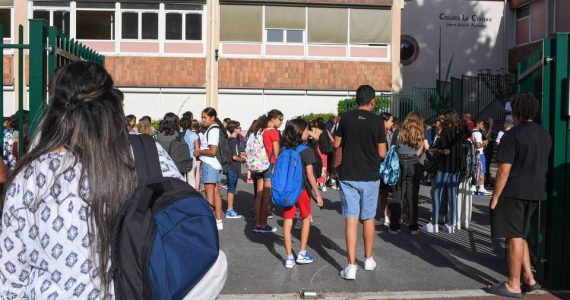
[[493, 202], [197, 152], [319, 201]]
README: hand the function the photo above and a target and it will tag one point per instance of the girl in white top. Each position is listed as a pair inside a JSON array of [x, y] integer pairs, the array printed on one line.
[[58, 209]]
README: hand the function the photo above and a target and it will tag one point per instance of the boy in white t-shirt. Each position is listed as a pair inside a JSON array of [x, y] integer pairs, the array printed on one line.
[[508, 125], [480, 145]]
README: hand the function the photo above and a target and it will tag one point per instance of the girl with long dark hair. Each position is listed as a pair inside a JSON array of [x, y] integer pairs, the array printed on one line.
[[211, 168], [65, 194], [322, 135], [266, 126]]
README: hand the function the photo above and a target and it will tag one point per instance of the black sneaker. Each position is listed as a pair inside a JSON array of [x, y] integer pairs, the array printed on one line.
[[266, 229]]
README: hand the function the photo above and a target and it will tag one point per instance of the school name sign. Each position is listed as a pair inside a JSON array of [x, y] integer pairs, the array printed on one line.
[[464, 20]]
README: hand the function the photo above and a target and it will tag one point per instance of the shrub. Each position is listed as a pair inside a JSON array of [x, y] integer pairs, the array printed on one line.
[[312, 117], [383, 103]]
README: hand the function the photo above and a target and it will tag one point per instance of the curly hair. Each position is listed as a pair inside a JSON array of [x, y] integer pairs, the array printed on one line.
[[412, 130], [525, 106]]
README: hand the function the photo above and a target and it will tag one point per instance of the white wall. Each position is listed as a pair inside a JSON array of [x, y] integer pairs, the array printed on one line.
[[475, 45], [157, 102], [9, 103]]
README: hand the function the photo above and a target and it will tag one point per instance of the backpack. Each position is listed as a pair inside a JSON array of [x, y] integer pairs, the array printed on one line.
[[468, 162], [390, 167], [287, 180], [178, 150], [325, 143], [256, 156], [224, 154], [164, 241], [318, 165]]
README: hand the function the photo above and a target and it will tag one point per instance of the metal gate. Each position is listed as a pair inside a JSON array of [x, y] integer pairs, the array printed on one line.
[[47, 50], [545, 73]]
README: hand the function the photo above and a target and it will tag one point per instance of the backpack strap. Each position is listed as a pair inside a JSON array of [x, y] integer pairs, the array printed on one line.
[[147, 164]]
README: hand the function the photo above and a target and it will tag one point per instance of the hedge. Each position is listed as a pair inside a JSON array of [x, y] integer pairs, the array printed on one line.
[[312, 117], [383, 103]]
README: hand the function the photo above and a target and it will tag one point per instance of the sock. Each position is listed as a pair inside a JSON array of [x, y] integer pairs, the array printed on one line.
[[290, 256], [302, 252]]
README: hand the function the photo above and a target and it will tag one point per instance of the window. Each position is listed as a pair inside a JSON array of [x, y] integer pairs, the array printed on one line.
[[523, 12], [146, 29], [327, 25], [523, 25], [241, 23], [6, 21], [59, 19], [180, 26], [370, 26], [284, 36], [95, 25]]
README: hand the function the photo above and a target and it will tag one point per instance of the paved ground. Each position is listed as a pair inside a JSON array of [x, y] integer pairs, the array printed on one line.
[[467, 260]]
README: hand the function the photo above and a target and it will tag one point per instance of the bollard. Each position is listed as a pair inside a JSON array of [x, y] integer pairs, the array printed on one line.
[[308, 294]]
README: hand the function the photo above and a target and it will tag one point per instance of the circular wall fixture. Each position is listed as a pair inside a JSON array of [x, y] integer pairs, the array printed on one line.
[[409, 50]]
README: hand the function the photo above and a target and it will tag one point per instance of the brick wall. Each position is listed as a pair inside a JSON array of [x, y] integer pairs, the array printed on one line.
[[8, 72], [301, 74], [136, 71], [517, 54]]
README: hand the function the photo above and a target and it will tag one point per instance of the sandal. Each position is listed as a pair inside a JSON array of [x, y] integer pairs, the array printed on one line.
[[530, 288], [500, 289]]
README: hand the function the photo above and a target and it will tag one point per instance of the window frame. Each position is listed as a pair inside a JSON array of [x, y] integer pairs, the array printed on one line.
[[51, 10], [73, 14], [139, 13], [184, 13], [285, 35]]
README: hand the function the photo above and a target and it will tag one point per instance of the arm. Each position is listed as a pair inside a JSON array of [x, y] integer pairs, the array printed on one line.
[[3, 172], [313, 183], [330, 136], [276, 149], [500, 181], [337, 141], [421, 151], [211, 151], [382, 150]]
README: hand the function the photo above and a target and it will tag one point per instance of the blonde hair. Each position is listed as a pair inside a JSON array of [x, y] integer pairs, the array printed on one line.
[[144, 127], [412, 130]]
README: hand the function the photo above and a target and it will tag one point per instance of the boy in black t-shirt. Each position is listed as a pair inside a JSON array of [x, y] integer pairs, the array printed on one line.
[[361, 135], [519, 186]]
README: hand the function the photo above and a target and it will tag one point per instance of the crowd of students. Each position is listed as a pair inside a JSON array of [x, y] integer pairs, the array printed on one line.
[[63, 182]]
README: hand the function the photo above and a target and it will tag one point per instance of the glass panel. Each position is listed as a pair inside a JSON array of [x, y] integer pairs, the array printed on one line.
[[150, 26], [241, 23], [51, 3], [370, 26], [285, 17], [194, 27], [523, 12], [40, 14], [130, 25], [173, 26], [294, 36], [327, 25], [275, 35], [139, 5], [95, 25], [5, 20], [6, 3], [61, 21], [183, 7], [95, 5]]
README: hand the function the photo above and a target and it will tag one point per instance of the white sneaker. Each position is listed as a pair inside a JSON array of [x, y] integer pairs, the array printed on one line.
[[449, 229], [387, 222], [220, 224], [484, 192], [290, 262], [369, 264], [429, 228], [324, 189], [349, 273]]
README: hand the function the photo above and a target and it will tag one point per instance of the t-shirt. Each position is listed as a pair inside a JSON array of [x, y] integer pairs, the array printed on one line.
[[526, 147], [361, 132], [234, 146], [189, 137], [270, 135], [478, 138], [210, 137], [499, 136], [307, 158], [508, 111]]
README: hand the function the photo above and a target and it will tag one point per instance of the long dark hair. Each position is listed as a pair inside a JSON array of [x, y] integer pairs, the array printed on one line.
[[454, 122], [185, 124], [320, 124], [170, 124], [293, 133], [212, 113], [85, 117], [263, 121]]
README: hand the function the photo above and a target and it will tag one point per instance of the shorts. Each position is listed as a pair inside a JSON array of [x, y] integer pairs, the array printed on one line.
[[511, 218], [483, 160], [265, 175], [359, 198], [303, 204], [232, 181], [209, 174]]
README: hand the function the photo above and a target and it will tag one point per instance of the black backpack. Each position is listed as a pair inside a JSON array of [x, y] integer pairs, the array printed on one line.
[[178, 150], [317, 166], [325, 143], [224, 154], [467, 161], [165, 239]]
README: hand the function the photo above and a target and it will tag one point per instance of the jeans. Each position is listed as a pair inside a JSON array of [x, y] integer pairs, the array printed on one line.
[[441, 179], [406, 193], [233, 177]]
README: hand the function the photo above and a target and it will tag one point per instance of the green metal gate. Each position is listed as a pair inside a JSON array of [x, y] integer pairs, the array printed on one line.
[[48, 49], [545, 73]]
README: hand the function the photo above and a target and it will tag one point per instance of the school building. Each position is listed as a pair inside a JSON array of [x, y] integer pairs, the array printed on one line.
[[242, 57]]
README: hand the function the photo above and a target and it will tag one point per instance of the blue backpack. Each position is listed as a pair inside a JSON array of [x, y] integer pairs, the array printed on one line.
[[390, 167], [165, 240], [287, 180]]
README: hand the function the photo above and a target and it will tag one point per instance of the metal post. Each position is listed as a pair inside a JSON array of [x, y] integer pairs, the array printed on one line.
[[21, 92], [2, 93], [52, 56], [37, 73]]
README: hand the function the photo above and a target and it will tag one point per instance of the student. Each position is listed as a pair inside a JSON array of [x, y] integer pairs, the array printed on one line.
[[361, 134], [61, 241], [144, 127], [480, 145], [211, 168], [382, 210], [131, 122], [322, 137], [234, 129], [523, 162], [295, 134], [410, 146], [506, 127], [191, 138], [169, 130], [266, 126]]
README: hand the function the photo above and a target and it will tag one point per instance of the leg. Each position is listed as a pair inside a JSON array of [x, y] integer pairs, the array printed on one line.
[[305, 232], [413, 207], [515, 256], [232, 188], [439, 183], [266, 199], [217, 202], [209, 188], [259, 202], [368, 202], [287, 225], [369, 234], [396, 207], [230, 201], [452, 196], [351, 232], [528, 276]]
